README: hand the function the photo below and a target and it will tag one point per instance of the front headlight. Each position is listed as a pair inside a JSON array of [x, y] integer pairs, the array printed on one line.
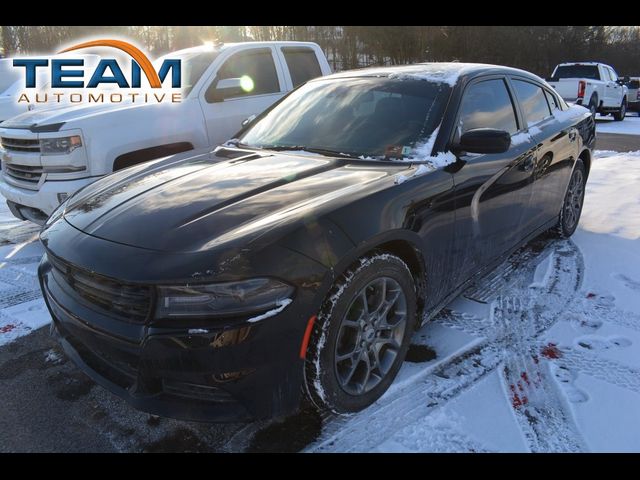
[[254, 296], [59, 146]]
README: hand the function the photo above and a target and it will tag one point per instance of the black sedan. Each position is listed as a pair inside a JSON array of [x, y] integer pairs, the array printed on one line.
[[298, 258]]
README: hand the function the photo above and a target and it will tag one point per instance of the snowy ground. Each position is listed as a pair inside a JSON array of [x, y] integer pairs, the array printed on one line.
[[629, 126], [541, 355]]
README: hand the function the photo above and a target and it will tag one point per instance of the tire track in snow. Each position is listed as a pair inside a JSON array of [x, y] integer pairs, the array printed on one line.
[[507, 336]]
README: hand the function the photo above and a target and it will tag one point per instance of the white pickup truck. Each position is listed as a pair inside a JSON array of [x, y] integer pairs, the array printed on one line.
[[593, 85], [48, 154]]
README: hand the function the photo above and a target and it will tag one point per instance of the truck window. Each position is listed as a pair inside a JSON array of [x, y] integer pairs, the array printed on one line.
[[256, 64], [612, 74], [533, 101], [487, 104], [577, 71], [302, 63]]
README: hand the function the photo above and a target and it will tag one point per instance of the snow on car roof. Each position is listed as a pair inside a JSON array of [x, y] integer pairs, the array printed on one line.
[[446, 72]]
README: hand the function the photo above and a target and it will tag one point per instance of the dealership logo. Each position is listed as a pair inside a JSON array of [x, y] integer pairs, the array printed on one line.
[[112, 80]]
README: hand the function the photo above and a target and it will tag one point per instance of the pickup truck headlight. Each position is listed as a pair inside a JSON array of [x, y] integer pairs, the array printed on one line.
[[254, 296], [60, 146]]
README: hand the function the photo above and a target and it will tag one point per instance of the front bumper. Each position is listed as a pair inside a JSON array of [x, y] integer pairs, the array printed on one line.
[[216, 374], [45, 199]]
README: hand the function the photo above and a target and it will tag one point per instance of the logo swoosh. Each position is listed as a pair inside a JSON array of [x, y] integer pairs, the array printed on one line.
[[133, 51]]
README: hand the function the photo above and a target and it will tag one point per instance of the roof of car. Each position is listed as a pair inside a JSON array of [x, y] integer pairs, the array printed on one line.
[[447, 72], [212, 46]]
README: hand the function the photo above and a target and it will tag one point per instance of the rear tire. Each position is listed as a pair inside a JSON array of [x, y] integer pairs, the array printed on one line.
[[593, 106], [361, 335], [619, 115], [573, 201]]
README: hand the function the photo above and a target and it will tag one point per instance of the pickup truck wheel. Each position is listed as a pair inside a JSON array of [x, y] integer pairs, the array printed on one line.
[[593, 106], [619, 115]]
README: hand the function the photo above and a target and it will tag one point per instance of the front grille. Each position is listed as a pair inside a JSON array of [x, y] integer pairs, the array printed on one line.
[[24, 173], [20, 145], [130, 302]]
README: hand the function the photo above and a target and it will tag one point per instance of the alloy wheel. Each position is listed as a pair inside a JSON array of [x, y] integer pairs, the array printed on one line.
[[574, 199], [370, 336]]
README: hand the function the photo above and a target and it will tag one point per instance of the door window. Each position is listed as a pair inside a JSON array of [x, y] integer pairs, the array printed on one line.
[[553, 102], [302, 63], [487, 104], [532, 100], [255, 64]]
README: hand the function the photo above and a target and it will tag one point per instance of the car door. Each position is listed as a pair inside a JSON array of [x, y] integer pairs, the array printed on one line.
[[492, 190], [263, 82], [555, 143], [611, 89], [617, 89]]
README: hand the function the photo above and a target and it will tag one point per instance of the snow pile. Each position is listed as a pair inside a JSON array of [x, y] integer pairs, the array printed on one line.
[[448, 74], [613, 202], [524, 137], [520, 138], [422, 153]]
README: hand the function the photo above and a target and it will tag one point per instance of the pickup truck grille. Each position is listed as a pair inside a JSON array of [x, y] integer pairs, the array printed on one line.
[[20, 145], [25, 173], [129, 302]]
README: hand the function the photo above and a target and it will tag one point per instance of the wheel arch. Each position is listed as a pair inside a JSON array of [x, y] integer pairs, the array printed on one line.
[[402, 243], [585, 156]]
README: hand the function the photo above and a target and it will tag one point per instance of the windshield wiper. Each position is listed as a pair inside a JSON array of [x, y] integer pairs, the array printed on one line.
[[321, 151]]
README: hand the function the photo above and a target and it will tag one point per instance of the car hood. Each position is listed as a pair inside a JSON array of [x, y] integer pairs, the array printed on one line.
[[199, 203], [64, 114]]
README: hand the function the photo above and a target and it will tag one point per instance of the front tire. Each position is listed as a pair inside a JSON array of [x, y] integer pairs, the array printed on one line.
[[361, 335], [573, 201]]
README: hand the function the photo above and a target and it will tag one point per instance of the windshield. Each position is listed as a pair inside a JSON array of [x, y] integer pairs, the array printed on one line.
[[365, 116], [193, 65], [577, 71]]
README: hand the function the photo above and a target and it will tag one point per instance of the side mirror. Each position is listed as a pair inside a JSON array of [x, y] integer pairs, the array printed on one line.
[[225, 88], [484, 140], [248, 120]]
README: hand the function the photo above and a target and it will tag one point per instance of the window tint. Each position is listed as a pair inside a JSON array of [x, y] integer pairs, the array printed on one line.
[[634, 84], [531, 98], [577, 71], [256, 64], [302, 63], [553, 103], [487, 105]]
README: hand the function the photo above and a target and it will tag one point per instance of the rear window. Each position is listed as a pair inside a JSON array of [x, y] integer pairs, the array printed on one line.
[[533, 101], [302, 63], [577, 71], [634, 84]]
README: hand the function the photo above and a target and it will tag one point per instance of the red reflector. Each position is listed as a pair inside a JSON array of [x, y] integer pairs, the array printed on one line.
[[305, 339], [582, 86]]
